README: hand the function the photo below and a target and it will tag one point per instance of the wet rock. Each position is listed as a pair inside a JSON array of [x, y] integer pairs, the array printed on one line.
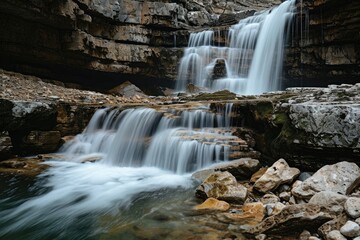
[[335, 235], [220, 95], [212, 204], [222, 186], [350, 229], [352, 207], [38, 142], [5, 145], [279, 173], [334, 224], [201, 175], [249, 214], [336, 178], [126, 89], [331, 199], [241, 169], [293, 218], [219, 70]]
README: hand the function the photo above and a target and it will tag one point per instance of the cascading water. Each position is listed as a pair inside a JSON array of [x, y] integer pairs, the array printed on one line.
[[139, 154], [253, 56]]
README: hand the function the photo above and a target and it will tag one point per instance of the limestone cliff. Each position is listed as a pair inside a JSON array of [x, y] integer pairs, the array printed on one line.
[[105, 41], [325, 46]]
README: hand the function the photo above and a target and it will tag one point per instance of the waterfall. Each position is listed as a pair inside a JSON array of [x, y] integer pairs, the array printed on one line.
[[177, 140], [253, 54]]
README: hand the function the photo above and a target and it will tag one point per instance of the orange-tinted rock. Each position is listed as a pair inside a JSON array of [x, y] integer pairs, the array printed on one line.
[[249, 214], [213, 204]]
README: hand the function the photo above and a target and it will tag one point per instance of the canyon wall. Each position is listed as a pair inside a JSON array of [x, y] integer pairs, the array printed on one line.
[[101, 43], [325, 45]]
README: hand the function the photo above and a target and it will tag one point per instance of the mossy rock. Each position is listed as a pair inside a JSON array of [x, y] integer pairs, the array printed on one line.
[[220, 95]]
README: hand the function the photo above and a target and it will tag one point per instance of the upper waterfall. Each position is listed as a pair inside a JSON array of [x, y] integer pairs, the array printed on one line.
[[253, 54]]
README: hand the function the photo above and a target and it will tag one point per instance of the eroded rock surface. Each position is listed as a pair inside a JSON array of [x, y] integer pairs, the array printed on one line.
[[336, 178]]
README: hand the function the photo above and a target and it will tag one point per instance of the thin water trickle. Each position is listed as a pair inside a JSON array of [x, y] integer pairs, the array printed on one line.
[[253, 55]]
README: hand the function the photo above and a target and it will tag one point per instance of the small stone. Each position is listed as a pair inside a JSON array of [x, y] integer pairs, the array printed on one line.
[[304, 175], [269, 198], [350, 229], [304, 235], [213, 204], [260, 237], [274, 208], [285, 196], [313, 238], [335, 235], [250, 214], [352, 207], [357, 220]]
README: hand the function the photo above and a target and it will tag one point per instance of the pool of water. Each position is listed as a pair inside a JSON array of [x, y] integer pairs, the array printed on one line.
[[97, 201]]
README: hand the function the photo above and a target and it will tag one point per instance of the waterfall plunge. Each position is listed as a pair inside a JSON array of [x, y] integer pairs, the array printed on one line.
[[253, 56], [180, 141]]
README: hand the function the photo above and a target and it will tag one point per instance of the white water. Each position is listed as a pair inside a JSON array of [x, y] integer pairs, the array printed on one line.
[[138, 151], [253, 55]]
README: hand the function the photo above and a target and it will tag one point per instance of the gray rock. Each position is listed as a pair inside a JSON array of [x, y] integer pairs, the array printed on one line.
[[327, 198], [241, 169], [335, 235], [222, 186], [219, 69], [279, 173], [350, 229], [313, 238], [352, 207], [304, 175], [285, 196], [336, 178], [126, 89], [304, 235]]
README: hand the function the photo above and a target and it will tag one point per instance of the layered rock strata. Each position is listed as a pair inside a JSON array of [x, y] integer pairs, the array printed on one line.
[[324, 48]]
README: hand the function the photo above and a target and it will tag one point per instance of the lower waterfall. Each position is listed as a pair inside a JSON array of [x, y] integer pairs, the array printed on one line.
[[123, 158]]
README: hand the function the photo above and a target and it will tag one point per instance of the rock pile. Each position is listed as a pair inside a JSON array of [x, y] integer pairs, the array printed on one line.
[[280, 203]]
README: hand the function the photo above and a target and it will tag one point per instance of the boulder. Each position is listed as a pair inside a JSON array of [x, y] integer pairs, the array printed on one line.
[[350, 229], [327, 198], [219, 70], [38, 142], [336, 178], [241, 169], [212, 204], [293, 219], [335, 235], [279, 173], [352, 207], [126, 89], [269, 198], [222, 186]]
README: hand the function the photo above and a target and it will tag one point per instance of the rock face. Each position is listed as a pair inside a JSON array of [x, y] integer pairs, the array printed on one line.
[[103, 43], [325, 50], [336, 178]]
